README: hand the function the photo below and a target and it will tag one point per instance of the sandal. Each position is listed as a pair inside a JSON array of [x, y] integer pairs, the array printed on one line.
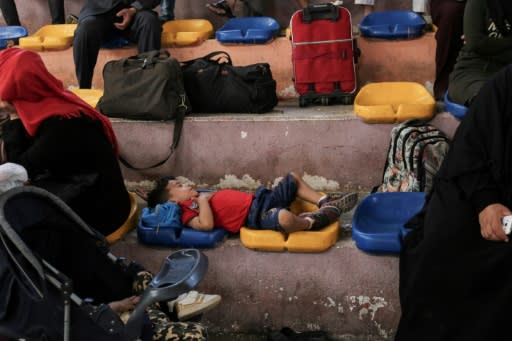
[[221, 8]]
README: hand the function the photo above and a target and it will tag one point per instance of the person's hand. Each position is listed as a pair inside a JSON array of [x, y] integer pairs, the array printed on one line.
[[490, 222], [205, 196], [124, 305], [127, 15]]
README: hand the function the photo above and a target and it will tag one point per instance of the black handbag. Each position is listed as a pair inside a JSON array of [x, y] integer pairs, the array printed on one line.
[[214, 85], [148, 86]]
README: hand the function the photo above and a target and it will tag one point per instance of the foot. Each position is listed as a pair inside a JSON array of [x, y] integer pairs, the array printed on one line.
[[321, 217], [71, 19], [142, 194], [193, 303], [221, 8], [344, 204]]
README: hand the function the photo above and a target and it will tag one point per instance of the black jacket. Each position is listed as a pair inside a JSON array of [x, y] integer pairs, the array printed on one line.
[[96, 7]]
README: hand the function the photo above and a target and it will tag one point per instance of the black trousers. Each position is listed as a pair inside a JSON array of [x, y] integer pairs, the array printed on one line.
[[95, 30], [447, 16], [256, 8], [10, 13]]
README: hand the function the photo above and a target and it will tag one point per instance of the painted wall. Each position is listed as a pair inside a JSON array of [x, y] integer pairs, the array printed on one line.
[[34, 13]]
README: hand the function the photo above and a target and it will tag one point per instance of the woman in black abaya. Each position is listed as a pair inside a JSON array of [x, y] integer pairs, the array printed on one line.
[[456, 264]]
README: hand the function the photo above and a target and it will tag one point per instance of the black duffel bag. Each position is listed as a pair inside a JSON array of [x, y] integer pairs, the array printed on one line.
[[214, 85], [148, 86]]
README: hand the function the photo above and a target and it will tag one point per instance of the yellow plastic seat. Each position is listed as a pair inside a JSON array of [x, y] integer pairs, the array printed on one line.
[[301, 241], [50, 37], [390, 102], [90, 96], [129, 224], [186, 32]]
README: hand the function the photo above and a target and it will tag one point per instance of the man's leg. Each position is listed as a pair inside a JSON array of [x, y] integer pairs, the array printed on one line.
[[57, 11], [256, 8], [10, 13], [447, 16], [146, 30], [167, 10], [90, 34]]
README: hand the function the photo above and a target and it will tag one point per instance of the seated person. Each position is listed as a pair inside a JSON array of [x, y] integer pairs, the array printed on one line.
[[101, 21], [455, 279], [487, 48], [65, 145], [267, 209]]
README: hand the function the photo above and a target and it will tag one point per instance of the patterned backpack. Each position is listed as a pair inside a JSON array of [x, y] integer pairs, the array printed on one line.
[[415, 154]]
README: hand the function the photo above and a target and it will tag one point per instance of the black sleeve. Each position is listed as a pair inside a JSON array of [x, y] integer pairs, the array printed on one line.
[[480, 156]]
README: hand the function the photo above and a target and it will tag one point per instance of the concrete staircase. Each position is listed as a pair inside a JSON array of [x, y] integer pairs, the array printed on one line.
[[351, 294]]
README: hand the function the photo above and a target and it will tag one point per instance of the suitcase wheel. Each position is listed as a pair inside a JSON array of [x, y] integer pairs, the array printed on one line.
[[347, 100], [324, 100], [302, 102]]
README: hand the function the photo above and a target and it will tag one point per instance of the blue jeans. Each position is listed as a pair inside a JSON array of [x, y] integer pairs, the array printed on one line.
[[265, 207], [167, 9]]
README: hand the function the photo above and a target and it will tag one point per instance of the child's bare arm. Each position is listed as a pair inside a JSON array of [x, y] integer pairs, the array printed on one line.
[[204, 221]]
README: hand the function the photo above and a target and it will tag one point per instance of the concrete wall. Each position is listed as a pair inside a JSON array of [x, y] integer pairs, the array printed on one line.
[[34, 13]]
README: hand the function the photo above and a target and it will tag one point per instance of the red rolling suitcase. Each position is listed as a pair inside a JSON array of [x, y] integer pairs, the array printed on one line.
[[323, 55]]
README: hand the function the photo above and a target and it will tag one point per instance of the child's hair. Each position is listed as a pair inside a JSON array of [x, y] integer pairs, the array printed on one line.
[[159, 194]]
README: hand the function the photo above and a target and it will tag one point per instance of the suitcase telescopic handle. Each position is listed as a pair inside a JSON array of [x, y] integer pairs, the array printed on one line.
[[320, 11]]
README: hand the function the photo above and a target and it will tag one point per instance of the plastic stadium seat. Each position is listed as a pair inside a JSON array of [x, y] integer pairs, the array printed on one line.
[[301, 241], [390, 102], [186, 32], [90, 96], [11, 33], [248, 30], [50, 37], [130, 222], [392, 25], [456, 109], [377, 224], [182, 237]]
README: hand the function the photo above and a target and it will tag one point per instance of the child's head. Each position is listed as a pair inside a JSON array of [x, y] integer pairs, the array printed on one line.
[[168, 189]]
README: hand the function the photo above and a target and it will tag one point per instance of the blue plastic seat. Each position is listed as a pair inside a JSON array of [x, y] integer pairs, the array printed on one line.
[[248, 30], [377, 224], [182, 237], [456, 109], [9, 33], [398, 24]]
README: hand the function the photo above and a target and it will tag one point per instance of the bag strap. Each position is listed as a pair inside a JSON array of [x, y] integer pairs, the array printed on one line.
[[178, 125], [210, 57]]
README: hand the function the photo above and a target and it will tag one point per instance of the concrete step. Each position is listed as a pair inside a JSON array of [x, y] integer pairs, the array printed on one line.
[[348, 293], [381, 60], [329, 141]]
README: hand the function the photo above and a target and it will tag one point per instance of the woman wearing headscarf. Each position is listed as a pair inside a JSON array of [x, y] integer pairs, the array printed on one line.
[[455, 265], [487, 48], [64, 144]]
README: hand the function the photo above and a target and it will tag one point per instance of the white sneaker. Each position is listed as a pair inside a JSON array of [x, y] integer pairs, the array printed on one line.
[[193, 303]]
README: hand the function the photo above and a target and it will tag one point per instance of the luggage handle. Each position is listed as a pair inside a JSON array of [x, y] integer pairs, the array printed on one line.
[[320, 11], [148, 58], [211, 58]]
